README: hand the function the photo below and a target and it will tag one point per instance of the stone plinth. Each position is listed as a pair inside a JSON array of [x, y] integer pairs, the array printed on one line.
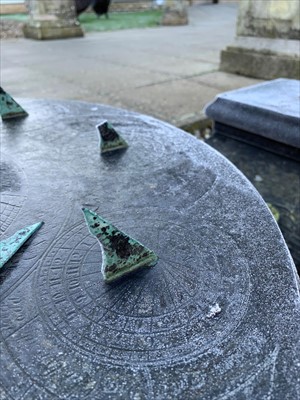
[[175, 13], [52, 19], [267, 42], [268, 111]]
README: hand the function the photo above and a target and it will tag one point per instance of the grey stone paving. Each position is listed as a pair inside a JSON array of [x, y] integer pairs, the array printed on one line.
[[167, 72]]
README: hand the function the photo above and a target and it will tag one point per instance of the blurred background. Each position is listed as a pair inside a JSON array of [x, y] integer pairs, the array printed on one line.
[[164, 58], [128, 60]]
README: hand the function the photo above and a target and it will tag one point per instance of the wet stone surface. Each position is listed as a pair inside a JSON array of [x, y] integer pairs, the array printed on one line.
[[277, 179], [216, 318]]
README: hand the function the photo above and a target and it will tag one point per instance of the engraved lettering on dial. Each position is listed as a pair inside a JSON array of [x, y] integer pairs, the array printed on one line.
[[156, 316]]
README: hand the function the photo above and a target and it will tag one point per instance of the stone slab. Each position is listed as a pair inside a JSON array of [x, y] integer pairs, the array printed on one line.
[[269, 46], [269, 109], [216, 318], [262, 58]]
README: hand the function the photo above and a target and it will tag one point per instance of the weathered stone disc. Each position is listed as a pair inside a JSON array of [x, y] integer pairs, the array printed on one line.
[[216, 318]]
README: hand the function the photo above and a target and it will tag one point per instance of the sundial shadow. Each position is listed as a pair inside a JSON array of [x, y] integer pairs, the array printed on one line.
[[15, 125], [7, 270], [136, 277], [113, 157], [127, 295]]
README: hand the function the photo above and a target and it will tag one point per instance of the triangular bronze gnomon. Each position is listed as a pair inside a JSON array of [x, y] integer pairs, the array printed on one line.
[[9, 108], [110, 140], [121, 253], [9, 246]]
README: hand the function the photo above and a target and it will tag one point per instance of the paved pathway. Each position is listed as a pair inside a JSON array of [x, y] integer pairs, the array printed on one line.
[[166, 72]]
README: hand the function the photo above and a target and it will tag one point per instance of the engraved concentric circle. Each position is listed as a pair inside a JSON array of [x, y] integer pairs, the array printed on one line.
[[12, 186], [158, 316]]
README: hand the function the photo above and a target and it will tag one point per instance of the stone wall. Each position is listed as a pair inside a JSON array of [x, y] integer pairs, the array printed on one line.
[[13, 8], [269, 18], [267, 42]]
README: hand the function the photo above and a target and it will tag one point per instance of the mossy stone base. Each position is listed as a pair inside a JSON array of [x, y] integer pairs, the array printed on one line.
[[174, 17], [262, 58], [47, 31]]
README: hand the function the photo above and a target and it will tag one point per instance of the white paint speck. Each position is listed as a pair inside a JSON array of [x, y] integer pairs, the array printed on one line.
[[214, 310]]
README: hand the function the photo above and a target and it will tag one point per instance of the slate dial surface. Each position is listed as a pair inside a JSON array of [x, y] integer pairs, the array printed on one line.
[[165, 332]]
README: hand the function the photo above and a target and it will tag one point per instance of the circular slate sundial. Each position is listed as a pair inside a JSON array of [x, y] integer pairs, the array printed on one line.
[[133, 321], [214, 318]]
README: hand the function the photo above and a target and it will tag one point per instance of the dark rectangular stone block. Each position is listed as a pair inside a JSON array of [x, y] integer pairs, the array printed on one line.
[[269, 110]]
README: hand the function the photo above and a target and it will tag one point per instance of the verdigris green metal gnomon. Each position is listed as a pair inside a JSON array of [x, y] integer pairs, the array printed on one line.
[[9, 108], [110, 140], [9, 246], [121, 253]]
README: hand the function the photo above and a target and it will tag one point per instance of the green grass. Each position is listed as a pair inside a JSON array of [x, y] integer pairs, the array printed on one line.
[[16, 17], [116, 21]]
